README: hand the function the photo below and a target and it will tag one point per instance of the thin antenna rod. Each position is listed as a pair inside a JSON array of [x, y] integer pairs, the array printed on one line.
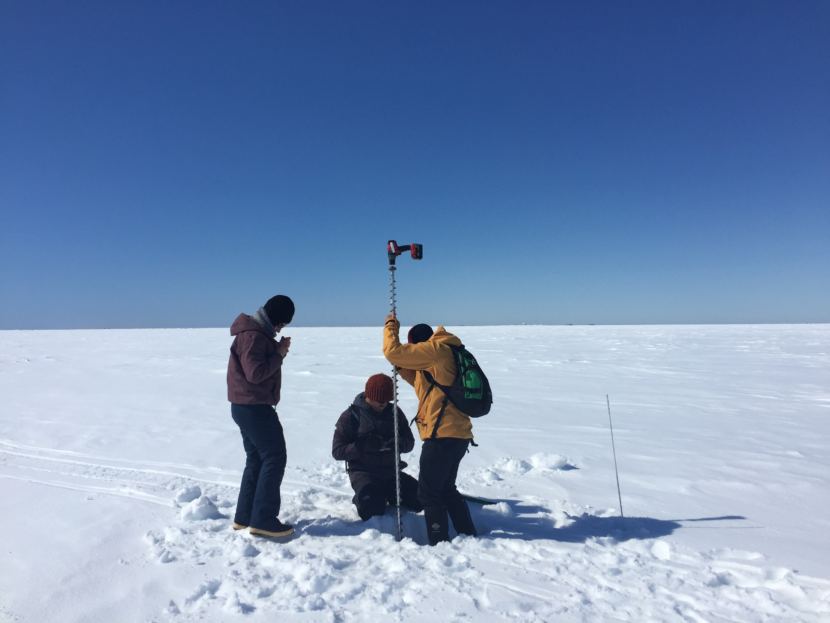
[[614, 449]]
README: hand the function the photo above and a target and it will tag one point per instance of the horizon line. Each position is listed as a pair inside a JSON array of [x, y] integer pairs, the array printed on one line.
[[366, 326]]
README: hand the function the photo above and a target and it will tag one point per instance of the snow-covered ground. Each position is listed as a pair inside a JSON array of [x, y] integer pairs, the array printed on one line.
[[119, 466]]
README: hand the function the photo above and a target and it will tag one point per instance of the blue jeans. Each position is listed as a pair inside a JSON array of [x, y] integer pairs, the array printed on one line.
[[259, 492]]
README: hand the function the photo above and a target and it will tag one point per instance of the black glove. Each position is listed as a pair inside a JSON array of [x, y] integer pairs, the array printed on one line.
[[388, 446], [370, 444]]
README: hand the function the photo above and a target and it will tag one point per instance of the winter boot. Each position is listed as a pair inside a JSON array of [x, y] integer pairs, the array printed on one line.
[[460, 516], [281, 530], [437, 524]]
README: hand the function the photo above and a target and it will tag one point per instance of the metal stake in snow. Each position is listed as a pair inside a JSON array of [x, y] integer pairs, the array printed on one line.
[[393, 251], [614, 449]]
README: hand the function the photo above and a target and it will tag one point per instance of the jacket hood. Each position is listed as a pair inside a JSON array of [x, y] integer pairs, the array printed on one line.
[[442, 336], [360, 401], [244, 322]]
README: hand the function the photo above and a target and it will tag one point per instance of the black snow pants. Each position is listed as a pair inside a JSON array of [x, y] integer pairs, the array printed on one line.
[[373, 492], [440, 459]]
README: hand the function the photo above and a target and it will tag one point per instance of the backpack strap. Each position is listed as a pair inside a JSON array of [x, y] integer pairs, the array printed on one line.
[[355, 417], [433, 383], [440, 417]]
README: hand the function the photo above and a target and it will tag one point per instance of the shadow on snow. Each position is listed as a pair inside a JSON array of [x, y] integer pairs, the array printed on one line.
[[524, 521], [530, 522]]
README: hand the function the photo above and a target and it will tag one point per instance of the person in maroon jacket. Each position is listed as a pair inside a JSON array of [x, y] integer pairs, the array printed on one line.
[[254, 379]]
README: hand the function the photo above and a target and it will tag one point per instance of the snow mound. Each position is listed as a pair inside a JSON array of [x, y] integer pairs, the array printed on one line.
[[661, 550], [201, 509], [188, 494], [550, 462], [513, 466], [538, 463]]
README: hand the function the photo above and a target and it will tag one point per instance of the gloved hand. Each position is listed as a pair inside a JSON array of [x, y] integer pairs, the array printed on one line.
[[387, 446], [392, 321], [370, 444]]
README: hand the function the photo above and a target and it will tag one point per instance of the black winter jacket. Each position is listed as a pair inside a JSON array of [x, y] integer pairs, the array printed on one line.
[[365, 438]]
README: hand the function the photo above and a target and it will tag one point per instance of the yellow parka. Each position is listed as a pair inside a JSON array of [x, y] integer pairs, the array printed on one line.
[[433, 356]]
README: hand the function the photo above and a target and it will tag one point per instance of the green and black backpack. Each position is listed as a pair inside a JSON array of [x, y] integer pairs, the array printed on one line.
[[470, 390]]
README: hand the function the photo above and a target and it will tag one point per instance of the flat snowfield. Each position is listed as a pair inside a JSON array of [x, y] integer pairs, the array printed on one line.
[[119, 468]]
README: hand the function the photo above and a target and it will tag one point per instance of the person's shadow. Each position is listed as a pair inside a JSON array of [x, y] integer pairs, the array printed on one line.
[[529, 522], [523, 521]]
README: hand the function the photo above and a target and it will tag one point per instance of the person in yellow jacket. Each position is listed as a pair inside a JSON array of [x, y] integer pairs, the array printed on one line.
[[445, 431]]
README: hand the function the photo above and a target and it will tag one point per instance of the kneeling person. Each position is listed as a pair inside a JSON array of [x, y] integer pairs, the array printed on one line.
[[364, 437]]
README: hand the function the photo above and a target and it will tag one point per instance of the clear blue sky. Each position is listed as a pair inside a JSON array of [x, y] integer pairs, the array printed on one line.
[[170, 164]]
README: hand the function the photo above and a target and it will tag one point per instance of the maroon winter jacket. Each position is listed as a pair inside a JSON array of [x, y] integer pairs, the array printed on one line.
[[255, 366]]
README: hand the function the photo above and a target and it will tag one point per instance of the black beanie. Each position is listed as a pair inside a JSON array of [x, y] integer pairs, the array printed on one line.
[[419, 333], [280, 309]]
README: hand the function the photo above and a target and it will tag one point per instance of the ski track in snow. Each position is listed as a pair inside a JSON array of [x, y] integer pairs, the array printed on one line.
[[593, 566]]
